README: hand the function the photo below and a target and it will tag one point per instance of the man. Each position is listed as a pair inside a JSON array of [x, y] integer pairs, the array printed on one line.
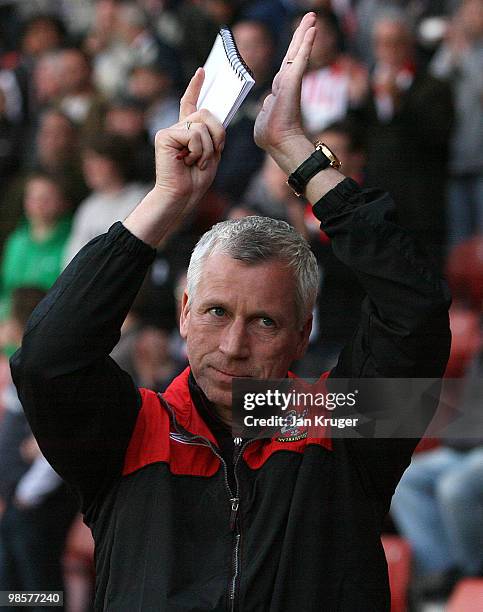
[[408, 119], [459, 61], [185, 517]]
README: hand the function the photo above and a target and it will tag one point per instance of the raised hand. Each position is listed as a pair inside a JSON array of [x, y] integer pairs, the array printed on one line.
[[188, 153], [279, 120], [187, 157]]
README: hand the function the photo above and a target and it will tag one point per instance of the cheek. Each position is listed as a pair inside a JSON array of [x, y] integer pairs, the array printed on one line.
[[273, 360]]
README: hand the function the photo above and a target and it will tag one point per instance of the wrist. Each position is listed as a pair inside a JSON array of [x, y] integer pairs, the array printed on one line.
[[292, 153], [156, 217]]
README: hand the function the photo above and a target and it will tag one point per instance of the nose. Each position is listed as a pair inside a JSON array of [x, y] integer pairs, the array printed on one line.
[[234, 341]]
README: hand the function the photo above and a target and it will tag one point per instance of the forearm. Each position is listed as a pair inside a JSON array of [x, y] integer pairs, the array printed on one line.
[[80, 404], [79, 321], [404, 327]]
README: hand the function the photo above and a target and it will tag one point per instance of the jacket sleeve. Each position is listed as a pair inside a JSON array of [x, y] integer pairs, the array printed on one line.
[[80, 405], [404, 325]]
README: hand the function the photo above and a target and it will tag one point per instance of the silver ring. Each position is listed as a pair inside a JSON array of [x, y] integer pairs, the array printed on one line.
[[188, 124]]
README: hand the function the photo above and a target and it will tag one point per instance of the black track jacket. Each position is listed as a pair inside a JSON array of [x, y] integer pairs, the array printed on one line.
[[296, 528]]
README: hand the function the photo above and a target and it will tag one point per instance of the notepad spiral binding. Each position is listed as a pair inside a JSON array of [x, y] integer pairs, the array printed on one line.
[[235, 59]]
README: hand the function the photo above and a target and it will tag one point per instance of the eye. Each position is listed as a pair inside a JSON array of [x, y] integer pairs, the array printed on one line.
[[217, 311], [267, 322]]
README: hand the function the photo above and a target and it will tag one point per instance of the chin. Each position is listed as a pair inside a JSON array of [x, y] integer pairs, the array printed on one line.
[[217, 396]]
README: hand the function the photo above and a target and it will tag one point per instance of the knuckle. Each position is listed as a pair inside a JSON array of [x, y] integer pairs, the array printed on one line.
[[159, 136], [204, 114]]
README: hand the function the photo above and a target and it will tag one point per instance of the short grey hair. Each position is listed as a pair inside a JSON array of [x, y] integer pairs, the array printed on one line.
[[255, 240]]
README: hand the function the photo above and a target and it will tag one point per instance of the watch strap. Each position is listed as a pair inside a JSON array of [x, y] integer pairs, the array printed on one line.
[[309, 168]]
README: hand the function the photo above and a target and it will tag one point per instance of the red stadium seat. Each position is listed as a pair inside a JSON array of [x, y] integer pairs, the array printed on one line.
[[398, 555], [465, 330], [465, 272], [467, 596]]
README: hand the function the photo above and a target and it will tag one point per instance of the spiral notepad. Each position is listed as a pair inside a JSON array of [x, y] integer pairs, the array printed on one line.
[[227, 79]]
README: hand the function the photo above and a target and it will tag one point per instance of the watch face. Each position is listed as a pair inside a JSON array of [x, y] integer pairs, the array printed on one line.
[[332, 157]]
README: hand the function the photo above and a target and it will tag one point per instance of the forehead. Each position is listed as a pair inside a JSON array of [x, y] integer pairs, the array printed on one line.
[[250, 30], [40, 183], [390, 30], [269, 286]]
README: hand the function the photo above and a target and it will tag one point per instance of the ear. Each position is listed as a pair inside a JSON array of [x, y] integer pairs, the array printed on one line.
[[184, 316], [304, 338]]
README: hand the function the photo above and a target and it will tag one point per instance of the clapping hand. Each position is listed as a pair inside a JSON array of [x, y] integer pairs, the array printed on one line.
[[279, 124], [188, 153], [187, 157]]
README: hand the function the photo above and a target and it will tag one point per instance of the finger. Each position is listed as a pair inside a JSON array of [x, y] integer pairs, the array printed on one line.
[[215, 127], [302, 58], [308, 21], [187, 104], [194, 145], [207, 146]]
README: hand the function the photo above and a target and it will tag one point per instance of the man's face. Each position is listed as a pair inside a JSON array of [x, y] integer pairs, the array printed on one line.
[[324, 49], [255, 47], [241, 323], [392, 43]]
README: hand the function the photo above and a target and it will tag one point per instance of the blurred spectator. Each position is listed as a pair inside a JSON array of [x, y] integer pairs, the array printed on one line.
[[152, 85], [366, 13], [276, 15], [56, 153], [408, 118], [33, 253], [345, 138], [108, 171], [125, 117], [222, 12], [78, 97], [110, 57], [9, 144], [100, 34], [46, 80], [255, 44], [36, 508], [334, 81], [56, 142], [132, 43], [41, 33], [460, 61], [153, 364], [185, 27], [269, 195], [437, 504]]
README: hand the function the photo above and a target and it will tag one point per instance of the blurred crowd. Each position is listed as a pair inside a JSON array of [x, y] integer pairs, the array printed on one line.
[[394, 88]]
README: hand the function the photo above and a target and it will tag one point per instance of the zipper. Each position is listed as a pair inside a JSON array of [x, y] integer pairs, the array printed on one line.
[[234, 523], [234, 499], [236, 568]]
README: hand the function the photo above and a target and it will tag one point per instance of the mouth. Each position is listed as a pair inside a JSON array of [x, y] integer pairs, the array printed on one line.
[[222, 374]]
